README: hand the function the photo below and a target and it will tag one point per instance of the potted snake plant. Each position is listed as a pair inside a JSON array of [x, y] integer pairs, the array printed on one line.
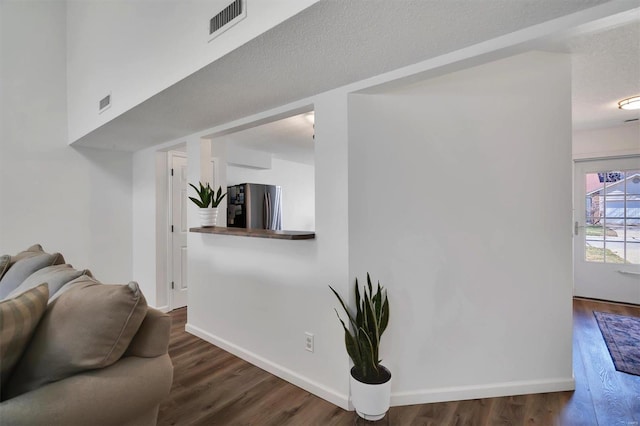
[[370, 381], [207, 201]]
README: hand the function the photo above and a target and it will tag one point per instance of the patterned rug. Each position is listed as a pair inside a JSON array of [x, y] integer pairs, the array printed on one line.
[[622, 336]]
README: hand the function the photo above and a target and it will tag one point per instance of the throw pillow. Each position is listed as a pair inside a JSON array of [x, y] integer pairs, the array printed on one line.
[[56, 276], [34, 250], [18, 320], [5, 261], [88, 326], [21, 270]]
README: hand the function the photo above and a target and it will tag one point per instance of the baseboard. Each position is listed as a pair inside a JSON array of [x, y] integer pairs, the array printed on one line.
[[284, 373], [459, 393], [424, 396]]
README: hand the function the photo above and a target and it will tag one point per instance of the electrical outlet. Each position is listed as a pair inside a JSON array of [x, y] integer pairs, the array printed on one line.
[[308, 341]]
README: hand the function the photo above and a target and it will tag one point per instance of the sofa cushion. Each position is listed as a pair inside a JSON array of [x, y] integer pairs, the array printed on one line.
[[18, 320], [34, 250], [20, 271], [5, 261], [88, 326], [55, 275]]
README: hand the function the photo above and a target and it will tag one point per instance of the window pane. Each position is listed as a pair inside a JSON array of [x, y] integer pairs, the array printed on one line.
[[594, 251], [613, 182], [594, 231], [633, 252], [633, 243], [614, 250], [633, 182], [633, 206]]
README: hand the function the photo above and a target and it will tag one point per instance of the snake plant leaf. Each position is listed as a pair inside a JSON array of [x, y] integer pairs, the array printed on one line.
[[366, 346], [371, 320], [358, 309], [384, 318], [204, 193], [377, 303], [351, 320], [371, 323], [350, 343], [215, 202], [197, 202]]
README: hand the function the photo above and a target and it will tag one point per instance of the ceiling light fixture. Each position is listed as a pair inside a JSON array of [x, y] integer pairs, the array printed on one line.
[[630, 103]]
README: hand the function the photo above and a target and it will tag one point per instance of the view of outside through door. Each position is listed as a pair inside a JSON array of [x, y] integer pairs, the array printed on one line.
[[612, 216]]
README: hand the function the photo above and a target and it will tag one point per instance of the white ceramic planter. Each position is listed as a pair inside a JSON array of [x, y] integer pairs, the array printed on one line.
[[370, 401], [208, 217]]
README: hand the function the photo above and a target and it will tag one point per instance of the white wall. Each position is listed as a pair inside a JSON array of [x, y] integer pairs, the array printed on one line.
[[607, 142], [135, 49], [257, 297], [298, 189], [75, 201], [460, 204]]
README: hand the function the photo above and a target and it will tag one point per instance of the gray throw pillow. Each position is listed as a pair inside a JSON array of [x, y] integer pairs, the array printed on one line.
[[56, 276], [18, 320], [34, 250], [21, 270], [88, 326]]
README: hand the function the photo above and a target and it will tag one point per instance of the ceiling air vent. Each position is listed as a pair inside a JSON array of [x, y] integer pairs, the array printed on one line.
[[104, 103], [228, 17]]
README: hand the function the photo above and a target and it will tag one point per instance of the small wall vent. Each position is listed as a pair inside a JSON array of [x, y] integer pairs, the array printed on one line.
[[104, 103], [226, 18]]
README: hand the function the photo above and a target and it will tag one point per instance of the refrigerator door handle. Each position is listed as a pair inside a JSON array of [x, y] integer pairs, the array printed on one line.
[[269, 212], [266, 215]]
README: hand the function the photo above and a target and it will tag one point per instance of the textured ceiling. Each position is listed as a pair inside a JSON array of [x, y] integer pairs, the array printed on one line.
[[330, 44], [605, 69], [288, 139]]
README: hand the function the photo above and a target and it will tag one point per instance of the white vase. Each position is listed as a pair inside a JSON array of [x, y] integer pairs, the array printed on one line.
[[370, 401], [208, 217]]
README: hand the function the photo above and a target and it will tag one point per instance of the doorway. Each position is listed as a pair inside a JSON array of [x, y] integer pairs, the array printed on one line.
[[177, 262], [607, 229]]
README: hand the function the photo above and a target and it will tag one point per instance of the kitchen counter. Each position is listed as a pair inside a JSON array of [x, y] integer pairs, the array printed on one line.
[[256, 233]]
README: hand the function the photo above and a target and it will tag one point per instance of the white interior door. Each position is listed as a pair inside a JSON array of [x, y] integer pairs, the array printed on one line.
[[607, 229], [178, 273]]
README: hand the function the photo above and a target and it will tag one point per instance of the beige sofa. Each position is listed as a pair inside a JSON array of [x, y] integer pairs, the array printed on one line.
[[96, 355]]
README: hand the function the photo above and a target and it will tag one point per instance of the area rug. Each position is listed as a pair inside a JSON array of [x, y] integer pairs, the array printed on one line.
[[622, 336]]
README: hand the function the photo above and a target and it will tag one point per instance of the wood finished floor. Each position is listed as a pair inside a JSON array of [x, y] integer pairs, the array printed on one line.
[[213, 387]]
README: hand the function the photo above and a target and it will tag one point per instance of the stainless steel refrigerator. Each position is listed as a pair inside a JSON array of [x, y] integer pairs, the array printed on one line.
[[253, 205]]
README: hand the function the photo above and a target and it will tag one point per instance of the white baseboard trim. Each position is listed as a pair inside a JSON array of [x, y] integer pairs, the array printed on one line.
[[284, 373], [423, 396], [459, 393], [164, 308]]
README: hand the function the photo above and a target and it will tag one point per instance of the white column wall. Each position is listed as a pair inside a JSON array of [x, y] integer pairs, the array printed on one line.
[[460, 204], [257, 297], [74, 201]]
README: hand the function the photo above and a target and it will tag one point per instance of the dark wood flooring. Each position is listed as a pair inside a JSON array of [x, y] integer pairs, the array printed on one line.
[[213, 387]]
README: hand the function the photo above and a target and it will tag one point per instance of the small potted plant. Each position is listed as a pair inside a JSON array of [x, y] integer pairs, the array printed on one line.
[[207, 197], [370, 381]]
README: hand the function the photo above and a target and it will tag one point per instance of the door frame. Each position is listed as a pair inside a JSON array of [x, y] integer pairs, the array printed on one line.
[[170, 235], [578, 232]]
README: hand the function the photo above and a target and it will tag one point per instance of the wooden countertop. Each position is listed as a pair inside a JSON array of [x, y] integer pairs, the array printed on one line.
[[256, 233]]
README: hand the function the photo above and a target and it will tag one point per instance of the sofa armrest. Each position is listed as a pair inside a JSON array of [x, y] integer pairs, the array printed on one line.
[[127, 392], [152, 338]]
